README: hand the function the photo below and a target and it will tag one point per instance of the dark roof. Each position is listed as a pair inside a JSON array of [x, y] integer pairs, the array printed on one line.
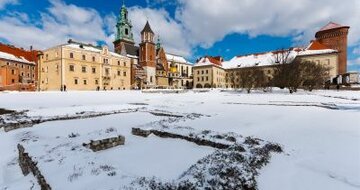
[[330, 26], [160, 67], [147, 28], [131, 49]]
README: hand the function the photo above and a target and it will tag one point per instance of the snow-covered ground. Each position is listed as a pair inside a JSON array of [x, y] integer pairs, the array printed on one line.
[[319, 132]]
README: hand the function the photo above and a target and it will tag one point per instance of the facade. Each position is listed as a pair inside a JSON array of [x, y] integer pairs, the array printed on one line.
[[150, 64], [209, 73], [78, 66], [180, 71], [335, 36], [21, 56], [16, 73]]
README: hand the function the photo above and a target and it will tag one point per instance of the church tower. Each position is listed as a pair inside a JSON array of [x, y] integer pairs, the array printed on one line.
[[147, 54], [335, 36], [124, 34]]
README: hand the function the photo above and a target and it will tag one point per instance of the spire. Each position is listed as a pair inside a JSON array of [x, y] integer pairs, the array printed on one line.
[[158, 44], [147, 28]]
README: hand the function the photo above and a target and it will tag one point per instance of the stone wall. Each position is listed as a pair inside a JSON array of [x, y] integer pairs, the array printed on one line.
[[164, 134], [104, 144], [27, 165]]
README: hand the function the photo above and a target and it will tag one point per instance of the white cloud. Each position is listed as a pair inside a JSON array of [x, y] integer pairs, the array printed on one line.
[[356, 51], [171, 32], [209, 21], [60, 22], [3, 3]]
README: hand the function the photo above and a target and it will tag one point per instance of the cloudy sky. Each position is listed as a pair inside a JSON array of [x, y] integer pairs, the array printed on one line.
[[188, 27]]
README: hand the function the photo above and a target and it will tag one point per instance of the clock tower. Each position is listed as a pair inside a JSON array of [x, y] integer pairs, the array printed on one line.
[[124, 34]]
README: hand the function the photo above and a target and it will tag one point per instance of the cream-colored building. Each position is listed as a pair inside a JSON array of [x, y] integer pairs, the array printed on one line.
[[78, 66], [208, 73], [213, 72]]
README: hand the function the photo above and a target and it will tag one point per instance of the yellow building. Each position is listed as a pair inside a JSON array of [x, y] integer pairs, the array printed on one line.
[[208, 73], [77, 66]]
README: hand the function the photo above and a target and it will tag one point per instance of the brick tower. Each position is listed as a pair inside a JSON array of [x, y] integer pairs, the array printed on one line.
[[147, 54], [335, 37]]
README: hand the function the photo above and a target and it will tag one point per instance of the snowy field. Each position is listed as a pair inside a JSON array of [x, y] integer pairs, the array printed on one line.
[[318, 131]]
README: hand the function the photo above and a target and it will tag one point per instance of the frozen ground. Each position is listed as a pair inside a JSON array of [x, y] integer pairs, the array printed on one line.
[[319, 132]]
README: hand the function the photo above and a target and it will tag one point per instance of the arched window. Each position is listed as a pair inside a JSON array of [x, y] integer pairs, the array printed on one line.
[[71, 55]]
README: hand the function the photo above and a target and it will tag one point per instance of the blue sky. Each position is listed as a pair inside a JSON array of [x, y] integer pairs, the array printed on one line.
[[190, 28]]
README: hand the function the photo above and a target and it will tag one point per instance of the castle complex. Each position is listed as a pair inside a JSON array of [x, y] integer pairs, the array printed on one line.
[[81, 66]]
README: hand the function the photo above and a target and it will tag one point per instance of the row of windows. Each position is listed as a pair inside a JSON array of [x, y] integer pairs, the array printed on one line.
[[93, 70], [105, 60], [203, 79], [203, 72], [20, 65]]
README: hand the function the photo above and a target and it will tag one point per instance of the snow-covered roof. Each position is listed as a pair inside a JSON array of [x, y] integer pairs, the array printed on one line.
[[176, 58], [206, 61], [317, 52], [331, 25], [12, 57], [254, 60], [90, 48]]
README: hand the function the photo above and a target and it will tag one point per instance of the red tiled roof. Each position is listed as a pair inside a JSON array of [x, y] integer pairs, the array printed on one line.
[[331, 25], [215, 60], [28, 55], [316, 45]]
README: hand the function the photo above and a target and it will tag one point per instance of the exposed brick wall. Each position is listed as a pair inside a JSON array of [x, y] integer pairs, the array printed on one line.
[[336, 39]]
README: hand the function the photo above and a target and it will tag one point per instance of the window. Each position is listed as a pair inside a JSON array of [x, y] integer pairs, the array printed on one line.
[[124, 64], [72, 68], [202, 78], [22, 74], [207, 78], [93, 59], [28, 75], [124, 73], [71, 55], [22, 66], [93, 70], [83, 57], [151, 79], [118, 73], [119, 63], [85, 82], [96, 81], [107, 71], [207, 71], [198, 79], [12, 80], [83, 69], [76, 81], [13, 72], [202, 72], [198, 72], [7, 63], [106, 61], [126, 31], [47, 57]]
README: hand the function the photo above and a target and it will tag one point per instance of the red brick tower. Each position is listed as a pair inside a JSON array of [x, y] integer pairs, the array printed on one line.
[[147, 47], [335, 37]]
